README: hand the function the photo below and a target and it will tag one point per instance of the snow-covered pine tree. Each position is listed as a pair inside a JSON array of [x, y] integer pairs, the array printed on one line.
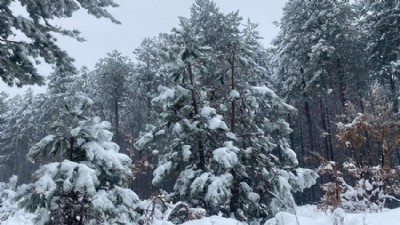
[[3, 110], [244, 167], [3, 106], [18, 131], [146, 79], [320, 65], [138, 110], [89, 184], [37, 40], [25, 121], [110, 87], [380, 25]]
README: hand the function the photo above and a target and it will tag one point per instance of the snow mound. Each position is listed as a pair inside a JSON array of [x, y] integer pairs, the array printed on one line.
[[20, 217], [214, 220], [310, 215], [305, 215]]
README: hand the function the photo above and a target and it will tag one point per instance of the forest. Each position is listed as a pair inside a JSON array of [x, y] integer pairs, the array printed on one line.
[[203, 120]]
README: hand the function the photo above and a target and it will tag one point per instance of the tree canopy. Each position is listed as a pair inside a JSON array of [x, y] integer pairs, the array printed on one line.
[[25, 40]]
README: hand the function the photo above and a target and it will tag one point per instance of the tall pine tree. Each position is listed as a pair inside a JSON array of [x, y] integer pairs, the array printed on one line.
[[219, 125]]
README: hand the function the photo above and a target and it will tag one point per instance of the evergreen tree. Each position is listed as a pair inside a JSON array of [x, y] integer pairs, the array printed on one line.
[[138, 110], [148, 75], [319, 68], [246, 166], [381, 22], [3, 108], [18, 132], [16, 66], [88, 184], [26, 120], [110, 87]]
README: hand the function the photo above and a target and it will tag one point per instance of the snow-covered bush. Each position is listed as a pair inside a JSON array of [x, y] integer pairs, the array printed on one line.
[[357, 189], [338, 216], [88, 185], [332, 189], [160, 208], [372, 187], [7, 193]]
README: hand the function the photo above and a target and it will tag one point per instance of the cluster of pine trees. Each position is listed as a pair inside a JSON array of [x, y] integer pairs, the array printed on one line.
[[337, 63], [194, 113]]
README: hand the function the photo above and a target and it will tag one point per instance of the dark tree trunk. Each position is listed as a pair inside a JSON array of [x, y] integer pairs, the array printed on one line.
[[325, 130], [308, 116], [302, 146], [342, 87], [233, 204], [394, 94], [233, 88], [309, 125], [202, 158], [116, 116]]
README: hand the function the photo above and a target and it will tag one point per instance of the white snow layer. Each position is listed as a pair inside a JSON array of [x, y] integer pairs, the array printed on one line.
[[310, 215], [214, 120], [305, 215], [226, 156], [263, 90], [234, 94], [186, 152], [160, 172]]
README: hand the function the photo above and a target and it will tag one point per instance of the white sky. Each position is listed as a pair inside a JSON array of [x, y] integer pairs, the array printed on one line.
[[146, 18]]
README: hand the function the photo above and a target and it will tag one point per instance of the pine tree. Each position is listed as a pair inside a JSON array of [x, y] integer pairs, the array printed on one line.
[[381, 23], [16, 66], [220, 126], [110, 88], [3, 109], [148, 76], [88, 184], [25, 121], [19, 131], [319, 68], [138, 109]]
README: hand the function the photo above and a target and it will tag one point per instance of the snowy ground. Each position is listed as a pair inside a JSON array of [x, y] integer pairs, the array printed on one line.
[[310, 215], [306, 215]]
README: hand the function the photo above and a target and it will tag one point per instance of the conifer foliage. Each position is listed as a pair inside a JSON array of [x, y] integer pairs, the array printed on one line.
[[38, 40], [220, 127], [88, 183]]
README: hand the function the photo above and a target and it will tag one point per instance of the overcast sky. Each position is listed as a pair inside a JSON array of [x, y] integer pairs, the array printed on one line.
[[147, 18]]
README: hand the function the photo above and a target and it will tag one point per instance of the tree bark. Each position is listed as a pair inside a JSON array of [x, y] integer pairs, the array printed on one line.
[[200, 146], [342, 87], [116, 116], [325, 130], [233, 88], [309, 123], [394, 94]]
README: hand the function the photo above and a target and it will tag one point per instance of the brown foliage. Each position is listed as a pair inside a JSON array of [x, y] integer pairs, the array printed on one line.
[[378, 126], [332, 189]]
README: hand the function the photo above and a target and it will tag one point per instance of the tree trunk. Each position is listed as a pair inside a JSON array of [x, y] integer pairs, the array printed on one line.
[[342, 87], [202, 158], [308, 117], [302, 146], [233, 88], [394, 94], [233, 204], [325, 130], [116, 116]]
